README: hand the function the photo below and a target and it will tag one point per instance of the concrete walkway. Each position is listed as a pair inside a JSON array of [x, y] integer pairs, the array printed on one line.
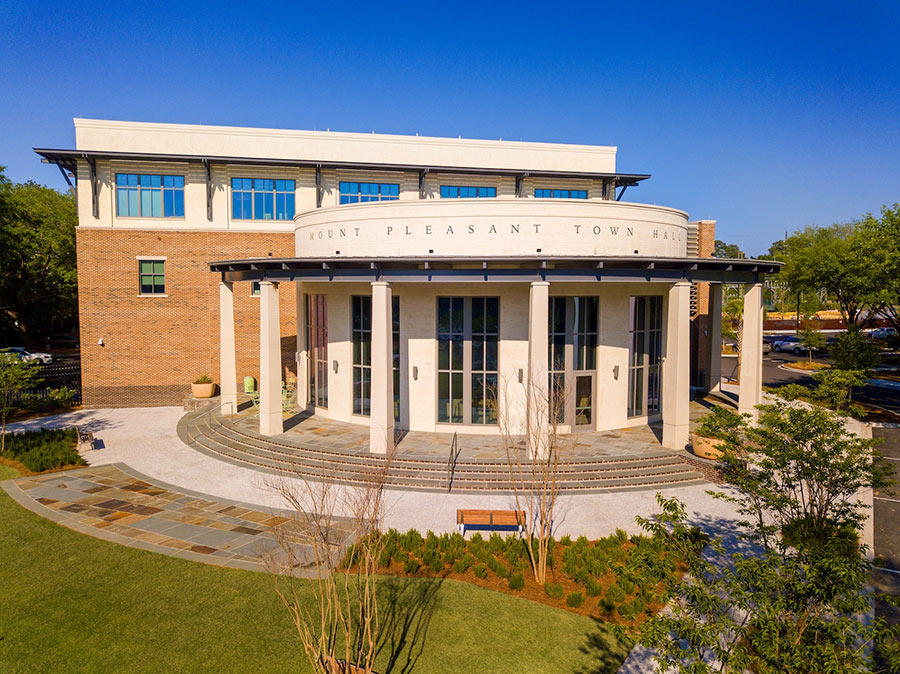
[[145, 439]]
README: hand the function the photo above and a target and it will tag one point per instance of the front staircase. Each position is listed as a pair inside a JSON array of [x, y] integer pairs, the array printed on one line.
[[210, 433]]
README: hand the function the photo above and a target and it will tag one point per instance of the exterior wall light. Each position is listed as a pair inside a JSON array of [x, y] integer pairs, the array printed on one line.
[[334, 364], [101, 342], [616, 372], [521, 375], [415, 373]]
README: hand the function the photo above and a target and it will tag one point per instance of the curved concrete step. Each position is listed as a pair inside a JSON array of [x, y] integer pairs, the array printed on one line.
[[208, 434]]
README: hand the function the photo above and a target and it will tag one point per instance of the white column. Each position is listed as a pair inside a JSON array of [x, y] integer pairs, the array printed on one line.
[[227, 367], [537, 429], [714, 334], [302, 350], [381, 429], [751, 352], [270, 418], [676, 375]]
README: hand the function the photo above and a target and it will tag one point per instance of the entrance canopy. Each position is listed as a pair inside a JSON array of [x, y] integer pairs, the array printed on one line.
[[497, 269]]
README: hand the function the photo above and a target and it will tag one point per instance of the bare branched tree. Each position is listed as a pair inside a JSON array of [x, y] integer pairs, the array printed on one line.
[[532, 441], [333, 534]]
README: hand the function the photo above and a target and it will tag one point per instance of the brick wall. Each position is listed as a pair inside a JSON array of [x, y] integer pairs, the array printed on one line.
[[154, 347], [706, 244]]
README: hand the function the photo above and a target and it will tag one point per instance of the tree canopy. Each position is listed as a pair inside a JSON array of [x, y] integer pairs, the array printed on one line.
[[38, 279], [723, 249]]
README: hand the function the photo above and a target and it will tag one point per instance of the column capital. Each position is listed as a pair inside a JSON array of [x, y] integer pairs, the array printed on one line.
[[682, 282], [540, 283], [268, 282], [381, 284], [226, 284]]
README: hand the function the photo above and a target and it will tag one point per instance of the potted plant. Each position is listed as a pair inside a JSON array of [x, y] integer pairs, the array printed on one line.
[[203, 387], [714, 431]]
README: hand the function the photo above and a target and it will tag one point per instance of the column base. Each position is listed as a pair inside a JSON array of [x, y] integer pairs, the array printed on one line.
[[676, 436], [381, 440], [271, 423]]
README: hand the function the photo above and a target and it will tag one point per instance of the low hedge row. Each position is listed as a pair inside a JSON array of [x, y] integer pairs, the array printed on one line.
[[44, 449]]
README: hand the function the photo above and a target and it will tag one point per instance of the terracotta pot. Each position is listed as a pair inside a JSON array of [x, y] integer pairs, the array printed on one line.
[[203, 390], [706, 448]]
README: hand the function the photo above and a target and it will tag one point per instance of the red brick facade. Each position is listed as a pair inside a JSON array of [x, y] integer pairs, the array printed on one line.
[[154, 347]]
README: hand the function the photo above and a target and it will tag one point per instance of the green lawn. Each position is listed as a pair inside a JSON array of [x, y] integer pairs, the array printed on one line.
[[72, 603]]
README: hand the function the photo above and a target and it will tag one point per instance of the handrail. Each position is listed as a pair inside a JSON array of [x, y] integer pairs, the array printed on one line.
[[451, 460]]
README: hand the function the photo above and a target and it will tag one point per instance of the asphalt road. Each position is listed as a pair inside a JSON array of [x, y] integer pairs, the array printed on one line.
[[773, 375]]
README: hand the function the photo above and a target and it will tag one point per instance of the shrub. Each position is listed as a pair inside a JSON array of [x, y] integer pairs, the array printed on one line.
[[835, 388], [575, 599], [565, 540], [411, 541], [464, 563], [606, 605], [516, 581], [480, 570], [553, 590], [384, 560], [55, 399], [44, 449], [852, 351], [594, 589], [499, 568], [627, 585], [615, 594], [412, 566], [721, 423], [202, 379], [432, 559], [638, 606]]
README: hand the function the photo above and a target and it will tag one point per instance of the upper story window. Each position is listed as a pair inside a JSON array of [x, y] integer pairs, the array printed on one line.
[[542, 193], [149, 196], [262, 199], [463, 192], [353, 193]]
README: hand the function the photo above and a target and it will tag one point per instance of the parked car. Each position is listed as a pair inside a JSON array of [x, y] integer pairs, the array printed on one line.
[[882, 333], [23, 354], [63, 342], [789, 343]]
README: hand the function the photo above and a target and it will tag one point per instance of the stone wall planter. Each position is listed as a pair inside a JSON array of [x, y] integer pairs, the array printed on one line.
[[203, 390]]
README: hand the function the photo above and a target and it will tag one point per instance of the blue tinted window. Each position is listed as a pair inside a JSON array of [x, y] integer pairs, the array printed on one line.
[[149, 195], [262, 199], [467, 192], [352, 193], [542, 193]]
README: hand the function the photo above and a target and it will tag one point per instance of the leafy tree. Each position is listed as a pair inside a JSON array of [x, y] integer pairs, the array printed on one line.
[[811, 340], [831, 259], [795, 597], [834, 389], [16, 375], [879, 242], [852, 351], [723, 249], [38, 282]]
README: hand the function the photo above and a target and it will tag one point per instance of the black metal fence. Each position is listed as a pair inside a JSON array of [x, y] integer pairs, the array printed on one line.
[[63, 372]]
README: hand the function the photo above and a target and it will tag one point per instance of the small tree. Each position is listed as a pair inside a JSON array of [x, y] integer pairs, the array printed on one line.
[[853, 351], [796, 600], [16, 375], [535, 479], [811, 340], [343, 619]]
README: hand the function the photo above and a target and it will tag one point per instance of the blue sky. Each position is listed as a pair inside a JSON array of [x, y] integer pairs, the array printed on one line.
[[765, 117]]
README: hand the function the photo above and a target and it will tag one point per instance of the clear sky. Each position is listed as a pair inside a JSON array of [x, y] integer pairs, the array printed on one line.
[[764, 116]]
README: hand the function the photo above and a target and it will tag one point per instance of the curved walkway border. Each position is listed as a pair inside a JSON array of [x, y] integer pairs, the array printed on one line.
[[121, 505]]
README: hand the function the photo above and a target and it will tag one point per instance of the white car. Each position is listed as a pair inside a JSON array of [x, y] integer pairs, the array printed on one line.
[[22, 354]]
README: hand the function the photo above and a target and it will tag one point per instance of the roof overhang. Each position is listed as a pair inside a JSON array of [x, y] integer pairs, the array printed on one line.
[[497, 269], [68, 159]]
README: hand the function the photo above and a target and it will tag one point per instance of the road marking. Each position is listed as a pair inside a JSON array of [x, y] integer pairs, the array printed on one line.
[[885, 498]]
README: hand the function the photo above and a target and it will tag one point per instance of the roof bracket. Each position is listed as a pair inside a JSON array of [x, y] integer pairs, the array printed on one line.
[[318, 186], [599, 265], [622, 193], [210, 190], [422, 175], [95, 187], [520, 184]]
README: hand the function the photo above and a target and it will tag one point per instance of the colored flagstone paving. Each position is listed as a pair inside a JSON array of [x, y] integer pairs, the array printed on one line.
[[116, 503]]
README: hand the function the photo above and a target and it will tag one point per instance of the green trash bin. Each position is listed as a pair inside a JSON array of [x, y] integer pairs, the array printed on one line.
[[249, 384]]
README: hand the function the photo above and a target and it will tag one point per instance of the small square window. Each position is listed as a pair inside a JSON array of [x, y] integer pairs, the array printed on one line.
[[152, 277]]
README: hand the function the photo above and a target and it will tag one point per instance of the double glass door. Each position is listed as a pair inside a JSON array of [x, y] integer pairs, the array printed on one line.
[[573, 326]]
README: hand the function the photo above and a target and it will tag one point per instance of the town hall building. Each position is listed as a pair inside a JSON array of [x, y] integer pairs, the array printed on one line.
[[396, 282]]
